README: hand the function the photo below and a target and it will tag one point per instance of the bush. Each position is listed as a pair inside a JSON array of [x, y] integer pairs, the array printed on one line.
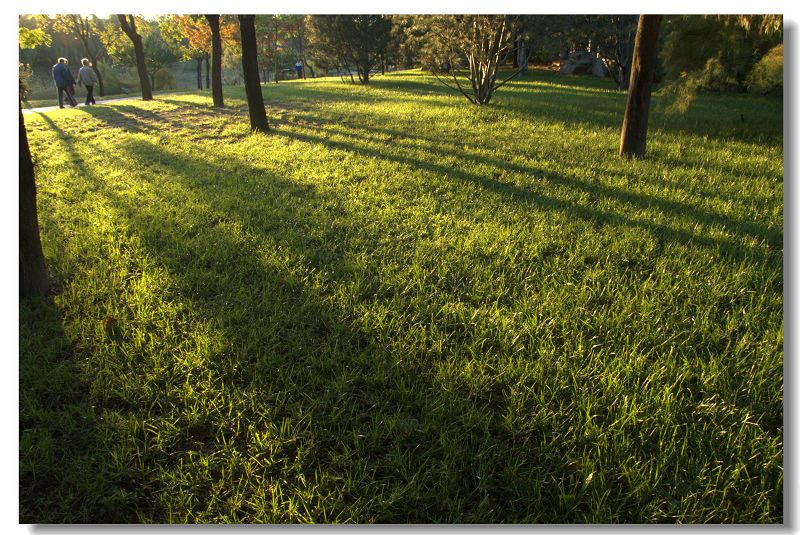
[[111, 82], [163, 79], [767, 74]]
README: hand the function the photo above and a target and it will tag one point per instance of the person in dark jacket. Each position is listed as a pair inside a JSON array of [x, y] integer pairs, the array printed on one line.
[[64, 82], [87, 77]]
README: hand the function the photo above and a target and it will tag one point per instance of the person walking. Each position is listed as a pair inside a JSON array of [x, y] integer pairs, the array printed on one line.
[[299, 68], [87, 77], [64, 82]]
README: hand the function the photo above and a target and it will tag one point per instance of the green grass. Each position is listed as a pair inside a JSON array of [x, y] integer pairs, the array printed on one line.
[[399, 307]]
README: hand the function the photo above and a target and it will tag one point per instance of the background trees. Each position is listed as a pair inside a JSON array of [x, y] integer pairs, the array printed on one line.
[[718, 53], [350, 41], [87, 29]]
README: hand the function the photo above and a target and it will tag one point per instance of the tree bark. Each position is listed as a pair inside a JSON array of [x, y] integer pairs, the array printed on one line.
[[208, 70], [32, 269], [634, 127], [252, 83], [216, 61], [96, 70], [200, 72], [138, 48]]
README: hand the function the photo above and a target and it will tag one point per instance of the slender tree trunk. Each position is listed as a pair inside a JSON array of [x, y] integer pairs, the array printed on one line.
[[633, 141], [138, 48], [208, 70], [199, 72], [252, 84], [216, 61], [96, 70], [32, 269]]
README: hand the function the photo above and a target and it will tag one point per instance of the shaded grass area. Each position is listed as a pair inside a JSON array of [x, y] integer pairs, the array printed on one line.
[[396, 307]]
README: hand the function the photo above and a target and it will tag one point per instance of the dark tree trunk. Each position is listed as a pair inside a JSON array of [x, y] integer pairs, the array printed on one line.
[[32, 269], [208, 70], [634, 128], [252, 83], [100, 85], [523, 55], [216, 61], [199, 72], [138, 48]]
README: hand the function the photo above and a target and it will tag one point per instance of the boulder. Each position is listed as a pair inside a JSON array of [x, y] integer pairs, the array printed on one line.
[[582, 62]]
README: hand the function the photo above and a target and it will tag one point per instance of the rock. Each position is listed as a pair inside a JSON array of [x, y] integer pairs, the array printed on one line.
[[599, 68], [582, 62]]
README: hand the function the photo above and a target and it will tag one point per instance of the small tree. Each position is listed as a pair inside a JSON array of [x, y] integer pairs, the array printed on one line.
[[472, 47], [128, 25], [350, 40], [634, 127], [252, 83]]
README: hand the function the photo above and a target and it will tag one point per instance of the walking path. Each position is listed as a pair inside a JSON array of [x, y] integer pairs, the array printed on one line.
[[80, 104]]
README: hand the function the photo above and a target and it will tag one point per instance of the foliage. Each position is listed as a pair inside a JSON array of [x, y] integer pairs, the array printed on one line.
[[392, 310], [163, 79], [350, 41], [714, 52], [767, 75], [31, 38]]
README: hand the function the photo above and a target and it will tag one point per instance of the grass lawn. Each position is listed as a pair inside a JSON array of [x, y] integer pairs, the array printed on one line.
[[399, 307]]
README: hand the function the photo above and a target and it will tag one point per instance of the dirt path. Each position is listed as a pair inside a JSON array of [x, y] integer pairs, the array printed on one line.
[[80, 104]]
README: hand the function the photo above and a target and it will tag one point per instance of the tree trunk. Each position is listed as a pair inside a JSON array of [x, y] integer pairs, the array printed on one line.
[[208, 71], [523, 55], [130, 31], [32, 269], [199, 72], [252, 84], [634, 127], [100, 85], [216, 61]]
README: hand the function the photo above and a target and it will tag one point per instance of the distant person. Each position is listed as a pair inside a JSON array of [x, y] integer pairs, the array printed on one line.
[[64, 82], [299, 68], [87, 77]]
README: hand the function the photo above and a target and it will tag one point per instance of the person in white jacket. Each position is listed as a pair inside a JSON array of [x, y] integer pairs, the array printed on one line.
[[87, 77]]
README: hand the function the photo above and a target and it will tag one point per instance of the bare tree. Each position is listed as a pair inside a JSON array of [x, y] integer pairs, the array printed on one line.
[[634, 127], [128, 25], [252, 82], [472, 47]]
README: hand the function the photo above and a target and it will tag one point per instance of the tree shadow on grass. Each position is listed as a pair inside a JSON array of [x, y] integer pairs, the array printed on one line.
[[361, 409], [628, 197], [541, 201], [64, 475], [308, 362]]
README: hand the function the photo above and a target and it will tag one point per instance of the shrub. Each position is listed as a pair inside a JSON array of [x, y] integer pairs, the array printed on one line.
[[111, 82], [163, 79], [767, 74]]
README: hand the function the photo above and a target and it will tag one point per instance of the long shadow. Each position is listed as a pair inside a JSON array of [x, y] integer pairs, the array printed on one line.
[[342, 380], [723, 245], [355, 382], [624, 196]]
